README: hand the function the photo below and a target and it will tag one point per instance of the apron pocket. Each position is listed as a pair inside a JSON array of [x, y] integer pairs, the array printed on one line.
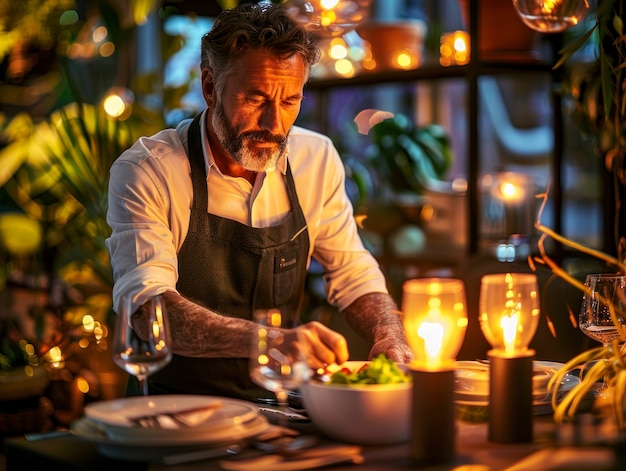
[[284, 276]]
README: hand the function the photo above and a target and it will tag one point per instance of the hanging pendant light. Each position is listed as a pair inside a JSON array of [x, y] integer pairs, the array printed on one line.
[[551, 16], [328, 18]]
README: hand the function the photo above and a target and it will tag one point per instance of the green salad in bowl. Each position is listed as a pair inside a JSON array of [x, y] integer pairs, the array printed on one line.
[[381, 370], [362, 402]]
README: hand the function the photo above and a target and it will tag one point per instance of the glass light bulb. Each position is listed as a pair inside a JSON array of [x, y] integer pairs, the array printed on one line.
[[551, 16], [435, 320], [328, 18], [509, 311]]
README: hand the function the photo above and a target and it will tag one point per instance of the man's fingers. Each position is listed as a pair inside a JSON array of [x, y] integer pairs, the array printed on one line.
[[324, 345]]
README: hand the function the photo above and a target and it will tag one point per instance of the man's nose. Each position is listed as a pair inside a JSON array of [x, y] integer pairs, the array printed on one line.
[[270, 119]]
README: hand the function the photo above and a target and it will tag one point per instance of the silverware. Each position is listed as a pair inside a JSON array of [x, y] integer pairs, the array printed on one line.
[[291, 415], [36, 436], [286, 445], [312, 458], [198, 455]]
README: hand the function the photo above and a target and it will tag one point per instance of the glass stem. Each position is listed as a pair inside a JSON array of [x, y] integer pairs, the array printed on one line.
[[281, 398], [605, 383], [143, 386]]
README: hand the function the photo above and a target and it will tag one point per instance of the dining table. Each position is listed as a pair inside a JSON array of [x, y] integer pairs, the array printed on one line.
[[571, 446]]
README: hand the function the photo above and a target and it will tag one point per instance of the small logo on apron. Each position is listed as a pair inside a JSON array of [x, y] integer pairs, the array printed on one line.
[[285, 261]]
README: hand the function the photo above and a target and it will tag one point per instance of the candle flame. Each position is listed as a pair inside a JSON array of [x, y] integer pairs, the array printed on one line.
[[509, 323], [432, 333]]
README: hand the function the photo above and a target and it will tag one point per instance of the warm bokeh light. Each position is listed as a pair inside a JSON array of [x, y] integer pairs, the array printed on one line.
[[98, 331], [344, 67], [114, 106], [55, 358], [82, 385], [454, 48], [406, 59], [118, 103], [88, 322], [511, 190], [275, 318], [99, 34], [107, 49], [341, 57], [338, 49]]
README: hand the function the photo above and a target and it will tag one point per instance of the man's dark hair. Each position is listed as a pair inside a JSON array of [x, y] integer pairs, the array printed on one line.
[[255, 25]]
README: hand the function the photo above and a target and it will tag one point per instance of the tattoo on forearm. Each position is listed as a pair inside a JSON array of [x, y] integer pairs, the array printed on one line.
[[200, 332], [373, 313]]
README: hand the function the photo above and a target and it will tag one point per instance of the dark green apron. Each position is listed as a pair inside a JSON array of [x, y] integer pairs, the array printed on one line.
[[234, 269]]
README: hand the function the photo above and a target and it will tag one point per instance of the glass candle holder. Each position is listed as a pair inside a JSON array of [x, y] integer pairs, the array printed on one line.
[[509, 314], [328, 18], [551, 16], [435, 320]]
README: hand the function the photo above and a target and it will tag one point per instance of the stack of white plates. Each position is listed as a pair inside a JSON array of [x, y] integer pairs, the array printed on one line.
[[472, 384], [210, 422]]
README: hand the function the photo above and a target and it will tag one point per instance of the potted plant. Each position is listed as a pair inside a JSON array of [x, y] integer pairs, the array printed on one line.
[[601, 105], [410, 158]]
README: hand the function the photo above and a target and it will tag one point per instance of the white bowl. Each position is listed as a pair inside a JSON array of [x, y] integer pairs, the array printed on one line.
[[369, 414]]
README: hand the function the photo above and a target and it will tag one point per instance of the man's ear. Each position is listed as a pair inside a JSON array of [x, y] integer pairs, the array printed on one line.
[[208, 86]]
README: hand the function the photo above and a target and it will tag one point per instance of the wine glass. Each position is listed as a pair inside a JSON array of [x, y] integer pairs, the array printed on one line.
[[277, 357], [144, 352], [595, 318]]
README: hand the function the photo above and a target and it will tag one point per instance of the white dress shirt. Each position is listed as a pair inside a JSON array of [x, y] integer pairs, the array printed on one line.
[[150, 196]]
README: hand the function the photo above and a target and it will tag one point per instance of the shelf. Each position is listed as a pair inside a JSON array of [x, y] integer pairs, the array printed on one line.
[[487, 61], [431, 71]]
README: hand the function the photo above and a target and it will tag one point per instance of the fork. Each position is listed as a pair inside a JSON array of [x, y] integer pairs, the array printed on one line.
[[178, 417]]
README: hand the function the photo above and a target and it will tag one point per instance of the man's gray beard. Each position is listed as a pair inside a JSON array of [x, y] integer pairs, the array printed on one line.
[[252, 160]]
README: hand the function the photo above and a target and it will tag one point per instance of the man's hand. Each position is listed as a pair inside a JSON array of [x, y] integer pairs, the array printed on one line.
[[323, 346], [376, 318], [394, 348]]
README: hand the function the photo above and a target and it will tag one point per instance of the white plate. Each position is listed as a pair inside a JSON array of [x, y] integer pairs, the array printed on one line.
[[118, 412], [541, 407], [472, 377], [224, 413], [91, 431]]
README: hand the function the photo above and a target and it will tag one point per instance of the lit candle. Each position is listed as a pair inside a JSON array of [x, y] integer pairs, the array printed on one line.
[[435, 319], [509, 315], [508, 208]]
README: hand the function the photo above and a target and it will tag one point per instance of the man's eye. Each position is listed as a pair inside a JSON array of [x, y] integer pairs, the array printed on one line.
[[291, 103]]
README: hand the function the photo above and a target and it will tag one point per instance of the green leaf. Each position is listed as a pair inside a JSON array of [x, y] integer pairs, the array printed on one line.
[[607, 85], [618, 24], [570, 49]]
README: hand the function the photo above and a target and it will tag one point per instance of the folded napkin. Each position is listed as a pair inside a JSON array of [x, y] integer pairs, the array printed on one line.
[[308, 459], [572, 458]]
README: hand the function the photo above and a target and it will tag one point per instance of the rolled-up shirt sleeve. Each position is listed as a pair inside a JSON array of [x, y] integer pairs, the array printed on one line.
[[350, 271], [145, 237]]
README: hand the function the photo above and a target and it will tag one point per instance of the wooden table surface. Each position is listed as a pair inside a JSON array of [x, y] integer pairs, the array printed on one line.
[[473, 453]]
